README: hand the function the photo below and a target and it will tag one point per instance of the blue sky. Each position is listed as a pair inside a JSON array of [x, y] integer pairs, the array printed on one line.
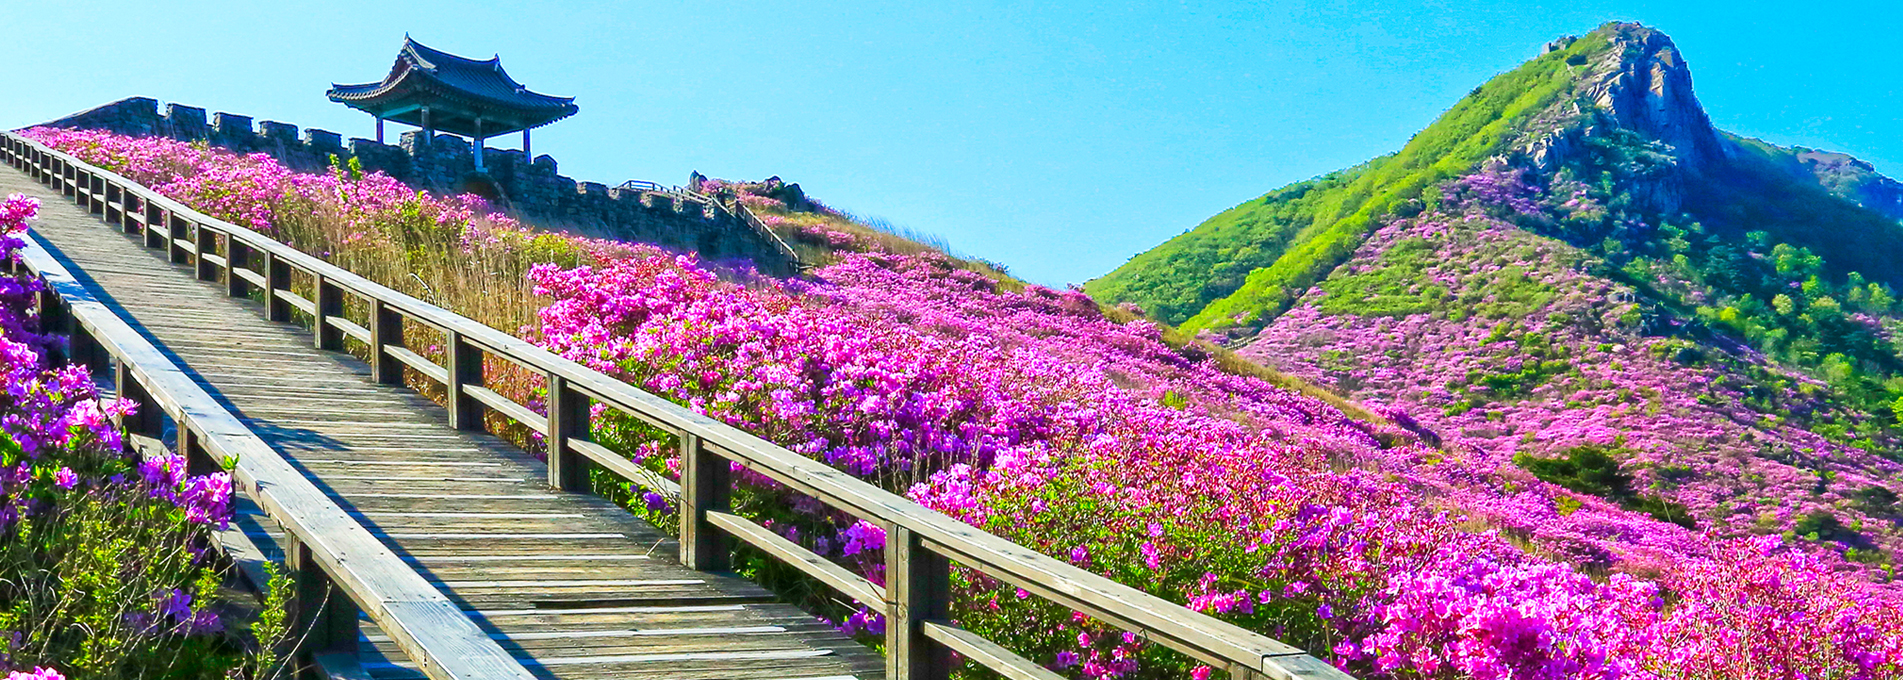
[[1058, 138]]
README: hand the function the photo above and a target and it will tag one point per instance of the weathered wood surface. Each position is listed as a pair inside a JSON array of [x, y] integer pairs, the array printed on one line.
[[472, 514], [336, 556]]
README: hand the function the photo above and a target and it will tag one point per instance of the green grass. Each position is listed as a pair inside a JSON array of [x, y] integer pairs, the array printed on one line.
[[1247, 264], [1398, 284], [1175, 280]]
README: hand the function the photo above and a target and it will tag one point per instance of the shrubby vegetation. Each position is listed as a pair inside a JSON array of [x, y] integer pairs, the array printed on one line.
[[106, 561]]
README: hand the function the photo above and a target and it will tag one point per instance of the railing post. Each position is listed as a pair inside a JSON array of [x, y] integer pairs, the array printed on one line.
[[918, 585], [329, 302], [96, 193], [464, 364], [146, 419], [115, 204], [237, 256], [207, 242], [82, 349], [326, 618], [568, 419], [181, 229], [706, 486], [131, 203], [386, 331], [198, 460], [278, 277], [156, 219]]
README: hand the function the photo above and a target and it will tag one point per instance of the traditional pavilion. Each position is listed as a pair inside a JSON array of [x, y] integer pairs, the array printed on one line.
[[436, 90]]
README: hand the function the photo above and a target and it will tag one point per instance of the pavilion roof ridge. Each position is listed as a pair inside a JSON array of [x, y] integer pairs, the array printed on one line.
[[471, 97]]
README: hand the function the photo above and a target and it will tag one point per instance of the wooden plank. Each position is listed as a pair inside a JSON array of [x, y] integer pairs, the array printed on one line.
[[625, 468], [568, 421], [853, 585], [706, 488], [419, 363], [508, 407], [987, 653], [302, 303], [249, 276], [437, 634], [350, 328], [918, 589], [462, 363]]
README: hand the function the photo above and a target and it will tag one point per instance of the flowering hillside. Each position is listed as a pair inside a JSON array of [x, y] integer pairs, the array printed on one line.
[[1033, 414], [1522, 346]]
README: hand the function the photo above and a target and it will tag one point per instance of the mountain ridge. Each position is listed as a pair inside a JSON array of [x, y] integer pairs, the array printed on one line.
[[1601, 290], [1245, 265]]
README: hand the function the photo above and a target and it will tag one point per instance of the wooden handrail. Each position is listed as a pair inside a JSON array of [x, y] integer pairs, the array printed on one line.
[[921, 543], [737, 210], [327, 550]]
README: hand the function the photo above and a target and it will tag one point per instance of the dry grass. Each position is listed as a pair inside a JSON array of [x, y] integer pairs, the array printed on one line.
[[488, 284]]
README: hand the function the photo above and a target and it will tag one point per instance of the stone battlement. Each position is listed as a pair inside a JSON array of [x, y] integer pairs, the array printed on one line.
[[647, 213]]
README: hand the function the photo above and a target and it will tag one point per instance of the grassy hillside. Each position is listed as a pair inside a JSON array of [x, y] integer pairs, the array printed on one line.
[[1178, 278], [1264, 252]]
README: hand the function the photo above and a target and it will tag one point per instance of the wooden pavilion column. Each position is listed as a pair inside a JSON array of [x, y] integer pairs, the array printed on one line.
[[527, 155], [478, 143], [379, 129]]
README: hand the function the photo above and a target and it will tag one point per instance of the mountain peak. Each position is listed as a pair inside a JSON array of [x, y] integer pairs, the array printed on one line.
[[1631, 78], [1643, 84], [1616, 102]]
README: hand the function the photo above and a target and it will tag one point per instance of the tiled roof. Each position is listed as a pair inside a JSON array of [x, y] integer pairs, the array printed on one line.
[[455, 85]]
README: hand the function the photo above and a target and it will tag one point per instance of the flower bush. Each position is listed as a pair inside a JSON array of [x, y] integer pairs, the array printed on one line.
[[1406, 547], [105, 567]]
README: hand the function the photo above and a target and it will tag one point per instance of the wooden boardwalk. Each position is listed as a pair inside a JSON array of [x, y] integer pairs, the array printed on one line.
[[568, 583]]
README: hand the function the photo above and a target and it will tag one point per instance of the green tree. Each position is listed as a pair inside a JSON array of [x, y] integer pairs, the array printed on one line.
[[1879, 299], [1783, 304]]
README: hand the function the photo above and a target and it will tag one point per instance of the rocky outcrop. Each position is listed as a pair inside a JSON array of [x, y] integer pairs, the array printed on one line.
[[1643, 84], [1637, 85]]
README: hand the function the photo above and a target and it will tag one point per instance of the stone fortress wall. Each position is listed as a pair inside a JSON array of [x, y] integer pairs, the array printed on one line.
[[637, 211]]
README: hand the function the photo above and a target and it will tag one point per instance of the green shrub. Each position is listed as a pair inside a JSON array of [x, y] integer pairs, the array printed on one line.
[[1593, 469]]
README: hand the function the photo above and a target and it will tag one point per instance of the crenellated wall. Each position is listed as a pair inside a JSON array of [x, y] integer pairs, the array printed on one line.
[[676, 218]]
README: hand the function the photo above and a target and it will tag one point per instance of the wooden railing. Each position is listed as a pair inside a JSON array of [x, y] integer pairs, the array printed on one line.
[[338, 566], [735, 208], [921, 544], [744, 214]]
